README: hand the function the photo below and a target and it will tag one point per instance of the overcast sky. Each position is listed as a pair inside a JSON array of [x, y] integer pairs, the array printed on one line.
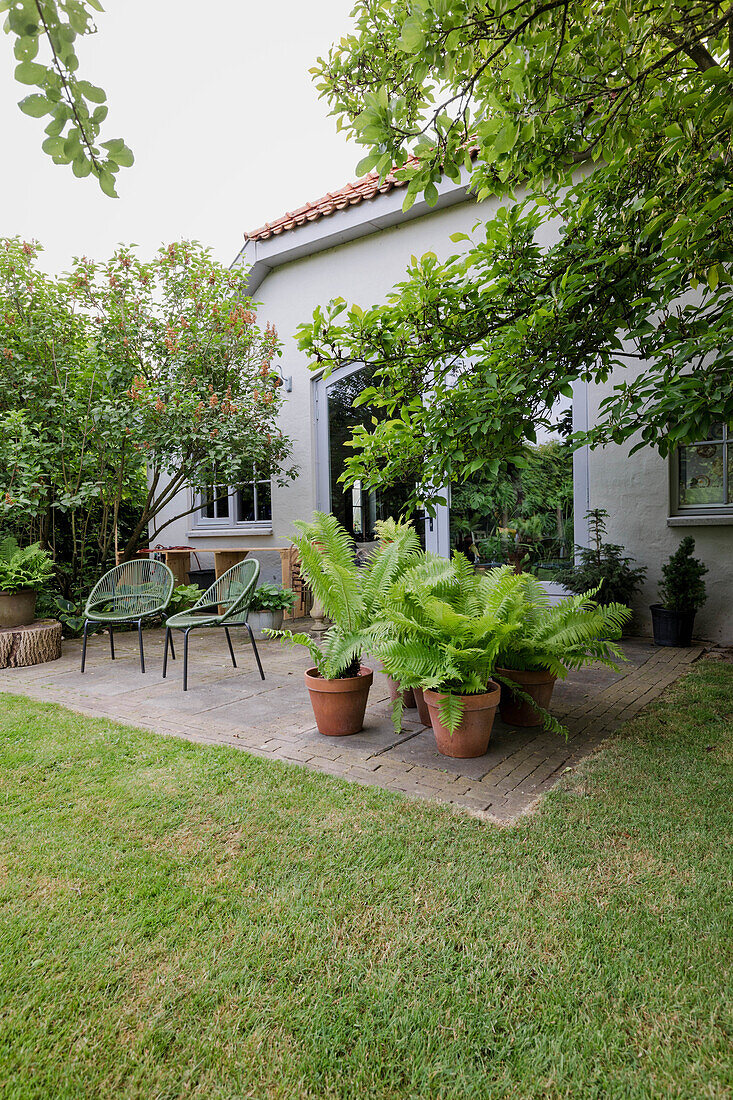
[[218, 106]]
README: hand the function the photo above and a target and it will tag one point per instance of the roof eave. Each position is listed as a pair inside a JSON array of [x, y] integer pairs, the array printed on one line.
[[370, 216]]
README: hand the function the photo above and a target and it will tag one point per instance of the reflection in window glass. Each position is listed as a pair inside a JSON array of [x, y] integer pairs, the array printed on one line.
[[216, 502], [706, 470], [701, 474], [247, 510], [358, 508], [251, 504]]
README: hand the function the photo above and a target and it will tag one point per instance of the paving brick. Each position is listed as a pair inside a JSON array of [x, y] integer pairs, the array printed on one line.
[[273, 719]]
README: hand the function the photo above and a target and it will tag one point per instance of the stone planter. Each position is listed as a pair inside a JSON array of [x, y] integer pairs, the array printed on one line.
[[538, 685], [339, 705], [264, 620], [471, 739], [17, 608]]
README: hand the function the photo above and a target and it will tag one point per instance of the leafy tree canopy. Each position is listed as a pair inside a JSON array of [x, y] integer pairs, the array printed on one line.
[[44, 34], [608, 124]]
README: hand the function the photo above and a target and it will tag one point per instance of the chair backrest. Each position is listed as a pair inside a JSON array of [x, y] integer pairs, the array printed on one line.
[[138, 587], [232, 591]]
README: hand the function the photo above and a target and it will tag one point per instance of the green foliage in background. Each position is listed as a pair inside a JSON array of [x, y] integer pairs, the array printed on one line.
[[611, 120], [45, 34], [26, 567]]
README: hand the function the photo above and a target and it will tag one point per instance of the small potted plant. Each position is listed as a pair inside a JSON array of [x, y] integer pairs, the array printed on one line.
[[549, 641], [351, 597], [22, 573], [444, 625], [268, 605], [682, 593]]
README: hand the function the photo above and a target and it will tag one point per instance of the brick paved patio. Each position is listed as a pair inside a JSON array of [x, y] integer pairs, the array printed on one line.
[[227, 706]]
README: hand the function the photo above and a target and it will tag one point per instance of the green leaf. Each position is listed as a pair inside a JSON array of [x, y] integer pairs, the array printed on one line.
[[412, 36], [506, 139], [366, 164], [124, 157], [107, 183], [91, 91], [35, 105], [54, 146], [29, 72], [81, 166]]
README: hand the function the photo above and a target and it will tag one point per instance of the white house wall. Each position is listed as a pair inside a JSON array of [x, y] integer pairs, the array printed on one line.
[[362, 270], [635, 490]]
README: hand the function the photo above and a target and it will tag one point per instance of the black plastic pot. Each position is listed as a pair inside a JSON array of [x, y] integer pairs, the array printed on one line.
[[672, 627], [204, 578]]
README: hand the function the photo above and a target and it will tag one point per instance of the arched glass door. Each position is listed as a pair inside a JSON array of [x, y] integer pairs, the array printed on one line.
[[356, 507]]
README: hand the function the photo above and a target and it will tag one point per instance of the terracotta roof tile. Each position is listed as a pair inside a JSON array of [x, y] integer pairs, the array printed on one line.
[[351, 194]]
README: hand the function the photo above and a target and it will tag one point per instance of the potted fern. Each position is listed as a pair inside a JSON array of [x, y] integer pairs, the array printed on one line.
[[351, 597], [682, 593], [22, 573], [442, 630], [548, 642]]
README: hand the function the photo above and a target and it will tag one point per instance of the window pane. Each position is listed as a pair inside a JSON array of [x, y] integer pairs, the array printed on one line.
[[215, 502], [247, 503], [701, 474], [222, 502], [264, 500]]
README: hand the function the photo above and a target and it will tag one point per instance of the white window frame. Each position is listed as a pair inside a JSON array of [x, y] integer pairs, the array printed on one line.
[[232, 522]]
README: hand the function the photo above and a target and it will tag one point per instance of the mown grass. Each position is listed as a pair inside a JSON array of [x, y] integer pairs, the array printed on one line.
[[185, 921]]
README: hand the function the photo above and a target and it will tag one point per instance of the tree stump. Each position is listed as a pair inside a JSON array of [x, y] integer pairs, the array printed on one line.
[[30, 645]]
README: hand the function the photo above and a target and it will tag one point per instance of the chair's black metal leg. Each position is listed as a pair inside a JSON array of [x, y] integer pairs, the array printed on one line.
[[173, 652], [185, 659], [112, 642], [165, 650], [140, 639], [254, 647], [84, 645], [229, 642]]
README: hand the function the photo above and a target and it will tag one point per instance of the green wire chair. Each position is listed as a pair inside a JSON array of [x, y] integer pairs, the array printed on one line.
[[126, 594], [225, 604]]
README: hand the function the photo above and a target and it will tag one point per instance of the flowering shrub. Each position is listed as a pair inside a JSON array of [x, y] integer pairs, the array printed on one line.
[[129, 379]]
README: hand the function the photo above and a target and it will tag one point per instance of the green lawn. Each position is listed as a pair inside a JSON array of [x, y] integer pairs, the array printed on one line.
[[186, 921]]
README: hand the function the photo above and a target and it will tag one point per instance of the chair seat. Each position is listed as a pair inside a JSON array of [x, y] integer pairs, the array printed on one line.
[[184, 619], [117, 616]]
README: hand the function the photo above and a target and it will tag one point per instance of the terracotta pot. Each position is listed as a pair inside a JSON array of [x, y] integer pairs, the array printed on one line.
[[472, 736], [18, 608], [538, 684], [339, 705], [408, 695], [422, 706]]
